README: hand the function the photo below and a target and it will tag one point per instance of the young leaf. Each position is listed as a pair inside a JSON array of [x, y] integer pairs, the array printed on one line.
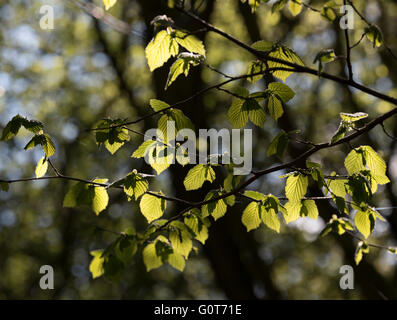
[[269, 214], [365, 222], [293, 210], [13, 126], [150, 257], [362, 248], [158, 105], [197, 225], [160, 49], [41, 168], [352, 117], [286, 54], [295, 6], [252, 216], [190, 42], [101, 199], [284, 92], [109, 3], [278, 145], [196, 176], [178, 67], [216, 209], [296, 186], [152, 207], [96, 265], [113, 138], [135, 185], [180, 239], [81, 193], [309, 209], [374, 35], [143, 149], [262, 45], [177, 261], [275, 107], [238, 116], [253, 68]]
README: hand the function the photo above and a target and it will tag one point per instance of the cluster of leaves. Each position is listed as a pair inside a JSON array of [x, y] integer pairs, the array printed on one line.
[[39, 138], [164, 242], [171, 241]]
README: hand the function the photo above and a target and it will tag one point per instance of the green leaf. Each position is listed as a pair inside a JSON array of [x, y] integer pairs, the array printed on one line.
[[177, 261], [143, 149], [252, 216], [180, 239], [364, 156], [48, 146], [216, 209], [190, 42], [238, 116], [84, 194], [101, 199], [126, 249], [374, 35], [278, 145], [392, 250], [45, 141], [160, 49], [293, 210], [160, 157], [340, 133], [275, 107], [362, 248], [327, 11], [295, 7], [286, 54], [96, 265], [309, 209], [109, 3], [231, 182], [158, 105], [296, 186], [353, 117], [180, 66], [278, 5], [197, 225], [354, 161], [284, 92], [325, 56], [173, 118], [13, 126], [135, 185], [269, 214], [152, 207], [255, 67], [196, 176], [365, 222], [374, 162], [255, 195], [337, 187], [150, 258], [262, 45], [41, 168], [113, 138]]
